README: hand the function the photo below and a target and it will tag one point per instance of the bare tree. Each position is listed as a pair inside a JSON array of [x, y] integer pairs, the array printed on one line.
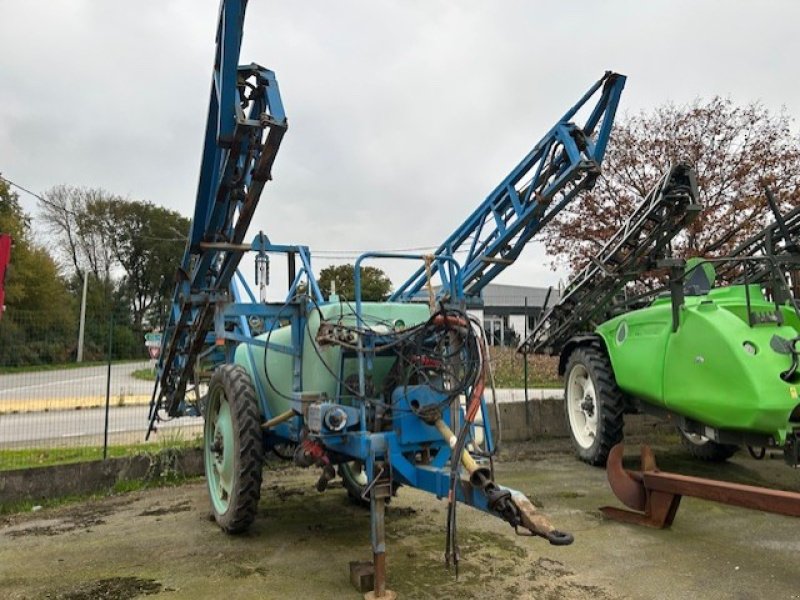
[[736, 150], [133, 246], [79, 219]]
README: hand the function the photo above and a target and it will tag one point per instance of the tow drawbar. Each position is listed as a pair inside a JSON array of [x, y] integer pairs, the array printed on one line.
[[656, 495]]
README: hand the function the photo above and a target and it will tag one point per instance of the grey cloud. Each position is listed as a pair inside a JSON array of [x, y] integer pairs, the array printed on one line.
[[403, 115]]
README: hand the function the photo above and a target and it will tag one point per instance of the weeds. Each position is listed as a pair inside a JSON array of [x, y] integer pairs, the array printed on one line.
[[509, 369]]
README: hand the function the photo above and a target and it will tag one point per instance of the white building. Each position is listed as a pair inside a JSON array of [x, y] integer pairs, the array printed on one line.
[[504, 311]]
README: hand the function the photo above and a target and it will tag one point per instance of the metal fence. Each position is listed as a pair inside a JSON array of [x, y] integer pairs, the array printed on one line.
[[53, 409]]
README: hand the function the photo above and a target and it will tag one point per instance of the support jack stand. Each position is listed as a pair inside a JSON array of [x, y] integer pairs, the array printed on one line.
[[656, 495], [379, 490]]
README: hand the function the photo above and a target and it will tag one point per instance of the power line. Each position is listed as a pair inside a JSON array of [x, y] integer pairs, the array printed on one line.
[[329, 254], [37, 196], [71, 212]]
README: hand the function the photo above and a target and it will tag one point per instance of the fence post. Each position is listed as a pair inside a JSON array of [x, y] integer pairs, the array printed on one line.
[[525, 368], [82, 324], [108, 383]]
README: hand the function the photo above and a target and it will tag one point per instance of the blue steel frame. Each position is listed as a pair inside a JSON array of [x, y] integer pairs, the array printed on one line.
[[245, 126], [566, 161], [211, 311]]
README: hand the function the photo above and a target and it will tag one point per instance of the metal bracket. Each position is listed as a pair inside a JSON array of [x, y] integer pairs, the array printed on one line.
[[655, 495]]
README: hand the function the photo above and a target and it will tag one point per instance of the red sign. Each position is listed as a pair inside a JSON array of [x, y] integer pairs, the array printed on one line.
[[154, 351], [5, 258]]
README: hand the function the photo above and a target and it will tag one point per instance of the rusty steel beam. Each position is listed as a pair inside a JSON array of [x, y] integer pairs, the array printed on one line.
[[654, 496]]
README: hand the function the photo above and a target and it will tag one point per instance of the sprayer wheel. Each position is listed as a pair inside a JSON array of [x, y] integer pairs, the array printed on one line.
[[705, 449], [233, 448], [354, 480], [593, 405]]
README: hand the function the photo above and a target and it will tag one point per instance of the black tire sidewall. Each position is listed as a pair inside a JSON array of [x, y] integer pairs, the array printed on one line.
[[709, 450], [608, 404], [228, 381]]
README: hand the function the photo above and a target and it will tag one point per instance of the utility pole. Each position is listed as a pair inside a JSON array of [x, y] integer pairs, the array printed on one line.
[[82, 326]]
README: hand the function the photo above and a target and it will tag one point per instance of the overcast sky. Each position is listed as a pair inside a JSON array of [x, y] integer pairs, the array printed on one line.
[[402, 115]]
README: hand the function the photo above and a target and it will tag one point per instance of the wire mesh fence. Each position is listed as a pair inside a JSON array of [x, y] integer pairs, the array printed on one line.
[[54, 409]]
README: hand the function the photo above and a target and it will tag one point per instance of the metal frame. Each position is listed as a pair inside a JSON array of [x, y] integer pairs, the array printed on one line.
[[654, 496], [212, 312], [635, 248], [245, 126], [565, 162]]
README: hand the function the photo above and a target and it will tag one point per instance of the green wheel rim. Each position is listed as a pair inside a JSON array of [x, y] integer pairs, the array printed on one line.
[[219, 450]]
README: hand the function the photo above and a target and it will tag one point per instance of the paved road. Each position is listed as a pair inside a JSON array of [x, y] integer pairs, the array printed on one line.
[[56, 427], [74, 383]]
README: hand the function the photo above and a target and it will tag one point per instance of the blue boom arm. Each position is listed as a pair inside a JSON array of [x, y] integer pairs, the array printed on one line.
[[566, 161], [245, 125]]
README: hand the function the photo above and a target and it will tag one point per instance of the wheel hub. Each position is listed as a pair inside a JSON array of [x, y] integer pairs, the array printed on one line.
[[587, 405], [218, 446], [582, 406]]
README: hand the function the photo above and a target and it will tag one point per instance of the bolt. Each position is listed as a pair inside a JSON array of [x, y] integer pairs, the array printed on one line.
[[217, 446], [587, 405]]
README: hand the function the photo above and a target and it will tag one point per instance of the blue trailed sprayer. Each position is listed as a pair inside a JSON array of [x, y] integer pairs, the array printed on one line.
[[380, 394]]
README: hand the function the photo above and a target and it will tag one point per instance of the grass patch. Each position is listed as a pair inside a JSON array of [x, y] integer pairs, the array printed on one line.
[[147, 374], [163, 472], [45, 457], [509, 369], [59, 367]]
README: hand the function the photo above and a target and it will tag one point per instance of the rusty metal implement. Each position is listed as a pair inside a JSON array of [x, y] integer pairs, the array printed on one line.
[[656, 495]]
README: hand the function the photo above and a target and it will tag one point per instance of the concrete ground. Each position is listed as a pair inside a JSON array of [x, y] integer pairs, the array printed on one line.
[[162, 542]]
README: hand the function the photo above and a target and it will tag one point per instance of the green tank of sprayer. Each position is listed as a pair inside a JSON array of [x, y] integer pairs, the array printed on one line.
[[323, 369], [719, 361]]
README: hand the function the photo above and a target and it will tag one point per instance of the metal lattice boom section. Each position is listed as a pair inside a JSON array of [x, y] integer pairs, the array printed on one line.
[[776, 239], [245, 126], [634, 249], [566, 161]]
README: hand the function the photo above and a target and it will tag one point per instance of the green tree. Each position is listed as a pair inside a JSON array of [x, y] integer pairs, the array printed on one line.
[[148, 245], [39, 324], [138, 244], [106, 301], [375, 285]]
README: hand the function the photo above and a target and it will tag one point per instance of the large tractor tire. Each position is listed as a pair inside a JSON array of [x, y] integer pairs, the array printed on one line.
[[705, 449], [594, 404], [233, 448]]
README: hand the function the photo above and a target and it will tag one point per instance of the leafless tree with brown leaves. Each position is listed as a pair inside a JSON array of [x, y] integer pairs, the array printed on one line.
[[736, 151]]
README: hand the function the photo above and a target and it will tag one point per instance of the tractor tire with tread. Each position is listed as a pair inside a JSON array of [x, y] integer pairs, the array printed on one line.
[[594, 405], [351, 484], [706, 449], [354, 483], [233, 449]]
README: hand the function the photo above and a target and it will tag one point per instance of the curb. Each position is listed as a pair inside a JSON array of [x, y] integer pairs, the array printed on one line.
[[43, 483]]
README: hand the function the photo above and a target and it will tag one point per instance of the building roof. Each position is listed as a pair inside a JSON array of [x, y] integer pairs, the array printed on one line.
[[496, 294]]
